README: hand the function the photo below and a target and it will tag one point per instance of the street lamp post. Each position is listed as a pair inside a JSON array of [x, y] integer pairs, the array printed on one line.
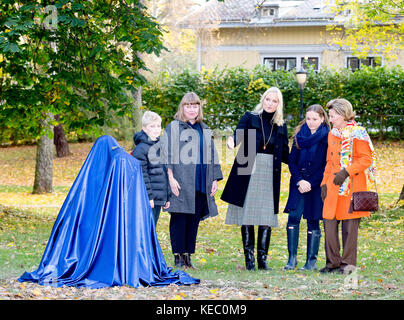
[[301, 80]]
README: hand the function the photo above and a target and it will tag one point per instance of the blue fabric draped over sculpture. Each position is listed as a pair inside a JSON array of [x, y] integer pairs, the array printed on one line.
[[104, 234]]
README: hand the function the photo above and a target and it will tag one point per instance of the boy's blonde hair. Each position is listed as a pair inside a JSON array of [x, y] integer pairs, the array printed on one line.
[[149, 117]]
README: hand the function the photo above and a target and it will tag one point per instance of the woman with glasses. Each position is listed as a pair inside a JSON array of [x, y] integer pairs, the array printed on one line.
[[193, 172]]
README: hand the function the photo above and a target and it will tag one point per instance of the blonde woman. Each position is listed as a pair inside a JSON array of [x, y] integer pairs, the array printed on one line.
[[253, 187], [193, 172]]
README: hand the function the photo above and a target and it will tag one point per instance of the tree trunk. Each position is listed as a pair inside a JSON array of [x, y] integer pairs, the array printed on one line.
[[137, 96], [60, 141], [137, 113], [44, 163]]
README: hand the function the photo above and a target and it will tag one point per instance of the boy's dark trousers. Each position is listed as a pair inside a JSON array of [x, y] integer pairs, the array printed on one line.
[[156, 213], [184, 226]]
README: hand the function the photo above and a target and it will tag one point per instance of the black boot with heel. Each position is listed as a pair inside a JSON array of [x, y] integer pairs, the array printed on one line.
[[264, 238], [247, 235]]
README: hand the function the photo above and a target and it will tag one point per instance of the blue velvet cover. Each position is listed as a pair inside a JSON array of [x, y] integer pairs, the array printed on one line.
[[104, 234]]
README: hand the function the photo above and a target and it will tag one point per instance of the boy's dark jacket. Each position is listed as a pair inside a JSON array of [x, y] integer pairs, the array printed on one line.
[[155, 175]]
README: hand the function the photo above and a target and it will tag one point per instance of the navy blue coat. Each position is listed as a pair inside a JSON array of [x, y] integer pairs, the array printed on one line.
[[308, 163]]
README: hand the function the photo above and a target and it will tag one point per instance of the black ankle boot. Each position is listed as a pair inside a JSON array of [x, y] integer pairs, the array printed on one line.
[[264, 238], [247, 235], [292, 231], [187, 261], [313, 243], [178, 260]]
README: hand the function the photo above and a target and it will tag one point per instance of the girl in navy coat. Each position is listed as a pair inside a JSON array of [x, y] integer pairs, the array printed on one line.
[[307, 161]]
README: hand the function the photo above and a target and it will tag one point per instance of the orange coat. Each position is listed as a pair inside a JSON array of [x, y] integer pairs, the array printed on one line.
[[337, 206]]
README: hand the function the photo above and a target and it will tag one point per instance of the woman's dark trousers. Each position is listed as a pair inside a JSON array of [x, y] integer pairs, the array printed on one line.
[[184, 229]]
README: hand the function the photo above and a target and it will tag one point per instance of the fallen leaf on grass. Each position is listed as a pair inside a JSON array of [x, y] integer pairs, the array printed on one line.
[[36, 292]]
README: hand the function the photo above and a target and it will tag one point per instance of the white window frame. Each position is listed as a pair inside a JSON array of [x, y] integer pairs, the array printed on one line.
[[312, 57], [278, 58], [347, 56], [293, 51], [297, 56]]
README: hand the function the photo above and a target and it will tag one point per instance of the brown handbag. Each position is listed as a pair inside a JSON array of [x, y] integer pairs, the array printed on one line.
[[364, 200]]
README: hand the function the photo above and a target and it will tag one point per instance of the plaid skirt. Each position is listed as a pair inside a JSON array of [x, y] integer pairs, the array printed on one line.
[[258, 207]]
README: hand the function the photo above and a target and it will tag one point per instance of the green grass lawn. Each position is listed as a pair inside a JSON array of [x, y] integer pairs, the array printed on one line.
[[26, 221], [219, 258]]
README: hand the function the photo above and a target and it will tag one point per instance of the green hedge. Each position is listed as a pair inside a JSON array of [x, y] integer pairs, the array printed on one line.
[[377, 94]]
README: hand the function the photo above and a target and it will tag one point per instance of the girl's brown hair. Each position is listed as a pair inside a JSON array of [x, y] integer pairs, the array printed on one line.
[[189, 98], [316, 108]]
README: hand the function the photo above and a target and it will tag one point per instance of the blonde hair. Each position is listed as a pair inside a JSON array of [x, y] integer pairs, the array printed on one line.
[[278, 116], [189, 97], [149, 117], [343, 107], [315, 108]]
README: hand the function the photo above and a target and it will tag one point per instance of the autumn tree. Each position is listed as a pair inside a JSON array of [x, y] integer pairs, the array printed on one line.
[[73, 59], [180, 42], [368, 27]]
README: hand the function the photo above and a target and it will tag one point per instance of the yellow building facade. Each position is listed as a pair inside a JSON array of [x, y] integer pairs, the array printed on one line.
[[279, 34]]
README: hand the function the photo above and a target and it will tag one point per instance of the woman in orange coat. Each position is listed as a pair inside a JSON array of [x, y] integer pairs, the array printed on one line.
[[350, 152]]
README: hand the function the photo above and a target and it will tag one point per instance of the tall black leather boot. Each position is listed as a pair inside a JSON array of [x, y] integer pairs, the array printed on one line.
[[247, 235], [292, 231], [313, 243], [264, 238]]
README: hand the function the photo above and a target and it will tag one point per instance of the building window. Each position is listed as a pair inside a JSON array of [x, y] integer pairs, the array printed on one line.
[[310, 61], [269, 10], [280, 63], [355, 63]]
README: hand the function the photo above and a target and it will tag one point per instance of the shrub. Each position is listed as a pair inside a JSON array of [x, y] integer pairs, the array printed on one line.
[[376, 93]]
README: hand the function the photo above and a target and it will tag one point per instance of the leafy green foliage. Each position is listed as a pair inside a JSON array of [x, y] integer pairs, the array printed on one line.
[[374, 92], [369, 27], [73, 58]]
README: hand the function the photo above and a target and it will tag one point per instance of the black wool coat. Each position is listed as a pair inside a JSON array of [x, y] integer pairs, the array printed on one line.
[[154, 173], [236, 187]]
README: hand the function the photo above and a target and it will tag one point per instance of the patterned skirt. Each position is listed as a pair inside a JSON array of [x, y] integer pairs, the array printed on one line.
[[258, 207]]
